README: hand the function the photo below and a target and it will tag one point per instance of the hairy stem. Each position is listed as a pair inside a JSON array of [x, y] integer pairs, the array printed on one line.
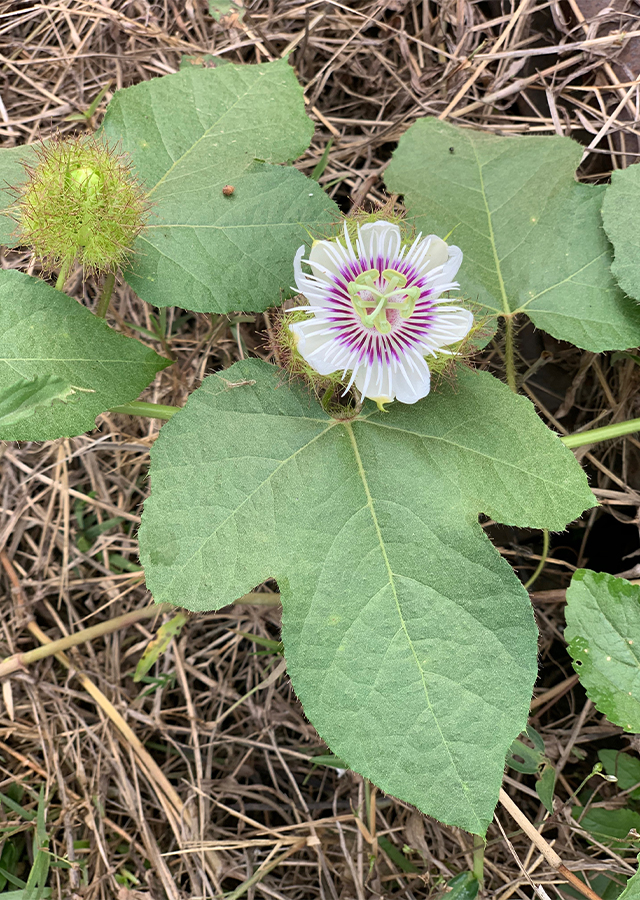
[[105, 296], [580, 439], [20, 660], [509, 353]]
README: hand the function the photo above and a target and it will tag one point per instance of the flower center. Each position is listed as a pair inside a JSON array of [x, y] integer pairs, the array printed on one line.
[[371, 303]]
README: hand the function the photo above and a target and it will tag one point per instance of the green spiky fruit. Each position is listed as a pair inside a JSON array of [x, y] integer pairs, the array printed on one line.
[[80, 203]]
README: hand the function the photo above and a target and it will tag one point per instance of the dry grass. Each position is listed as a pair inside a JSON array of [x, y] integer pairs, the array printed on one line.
[[201, 781]]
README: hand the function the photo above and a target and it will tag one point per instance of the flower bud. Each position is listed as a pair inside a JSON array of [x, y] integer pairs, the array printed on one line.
[[80, 203]]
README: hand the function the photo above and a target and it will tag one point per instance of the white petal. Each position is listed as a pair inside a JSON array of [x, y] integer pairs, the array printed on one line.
[[297, 270], [443, 280], [325, 257], [347, 240], [316, 287], [379, 239], [451, 325], [372, 380], [428, 254], [411, 386], [317, 347], [380, 385], [454, 262], [408, 384]]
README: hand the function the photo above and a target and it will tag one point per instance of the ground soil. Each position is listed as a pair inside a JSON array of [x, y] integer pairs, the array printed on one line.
[[211, 789]]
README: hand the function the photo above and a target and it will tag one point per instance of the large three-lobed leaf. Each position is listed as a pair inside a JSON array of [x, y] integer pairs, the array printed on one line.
[[48, 336], [409, 640], [532, 236], [194, 133]]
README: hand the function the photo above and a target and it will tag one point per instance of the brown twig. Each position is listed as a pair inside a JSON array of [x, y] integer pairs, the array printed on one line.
[[174, 808], [22, 660], [544, 847]]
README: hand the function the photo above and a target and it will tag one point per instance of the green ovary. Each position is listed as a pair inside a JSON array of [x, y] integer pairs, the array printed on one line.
[[89, 182], [396, 295]]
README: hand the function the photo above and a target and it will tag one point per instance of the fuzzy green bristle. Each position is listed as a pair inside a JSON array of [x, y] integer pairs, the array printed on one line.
[[82, 203], [325, 387]]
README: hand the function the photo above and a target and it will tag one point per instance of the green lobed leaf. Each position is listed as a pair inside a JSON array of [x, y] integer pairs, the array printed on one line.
[[46, 334], [408, 639], [532, 236], [621, 220], [191, 134], [607, 825], [603, 634]]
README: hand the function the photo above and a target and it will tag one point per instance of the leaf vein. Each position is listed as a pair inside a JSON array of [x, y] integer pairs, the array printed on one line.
[[383, 550]]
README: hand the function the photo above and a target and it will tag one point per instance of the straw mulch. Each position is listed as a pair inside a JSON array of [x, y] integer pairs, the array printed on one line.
[[199, 781]]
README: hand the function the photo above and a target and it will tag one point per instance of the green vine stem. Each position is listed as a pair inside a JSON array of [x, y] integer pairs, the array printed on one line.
[[606, 433], [579, 439], [150, 410], [20, 660], [478, 858], [543, 559], [105, 296]]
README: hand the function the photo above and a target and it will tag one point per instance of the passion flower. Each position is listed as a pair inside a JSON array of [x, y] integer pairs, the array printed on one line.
[[378, 311]]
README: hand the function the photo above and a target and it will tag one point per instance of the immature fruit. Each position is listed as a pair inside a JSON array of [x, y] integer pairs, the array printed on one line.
[[81, 202]]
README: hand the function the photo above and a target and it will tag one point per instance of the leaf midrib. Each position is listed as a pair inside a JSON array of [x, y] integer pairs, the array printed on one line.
[[523, 307], [506, 310], [463, 447], [69, 359], [204, 134], [370, 504]]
